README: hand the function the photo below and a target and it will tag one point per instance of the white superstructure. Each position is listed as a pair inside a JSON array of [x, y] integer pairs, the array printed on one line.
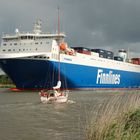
[[26, 44]]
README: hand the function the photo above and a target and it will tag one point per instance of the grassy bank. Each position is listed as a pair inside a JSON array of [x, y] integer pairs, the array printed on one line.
[[7, 86], [4, 79], [5, 82], [116, 119]]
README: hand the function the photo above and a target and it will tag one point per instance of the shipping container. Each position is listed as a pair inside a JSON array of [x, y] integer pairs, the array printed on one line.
[[98, 50], [109, 55], [136, 61], [102, 53], [95, 54], [118, 58], [82, 50]]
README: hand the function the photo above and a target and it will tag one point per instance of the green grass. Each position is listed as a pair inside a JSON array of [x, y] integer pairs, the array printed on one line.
[[4, 79], [116, 119], [127, 128]]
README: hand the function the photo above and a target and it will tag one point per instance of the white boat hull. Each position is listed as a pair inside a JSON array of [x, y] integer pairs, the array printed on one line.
[[55, 99], [60, 99]]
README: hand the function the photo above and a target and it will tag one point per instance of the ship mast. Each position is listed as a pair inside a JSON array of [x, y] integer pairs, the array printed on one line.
[[58, 20], [37, 27]]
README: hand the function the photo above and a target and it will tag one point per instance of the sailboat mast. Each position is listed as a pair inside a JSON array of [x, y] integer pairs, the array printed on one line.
[[58, 44], [59, 66]]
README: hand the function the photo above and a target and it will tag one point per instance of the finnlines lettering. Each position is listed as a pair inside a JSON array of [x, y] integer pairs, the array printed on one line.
[[107, 78]]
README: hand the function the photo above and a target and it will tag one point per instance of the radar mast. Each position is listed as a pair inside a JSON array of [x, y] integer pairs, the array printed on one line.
[[37, 26]]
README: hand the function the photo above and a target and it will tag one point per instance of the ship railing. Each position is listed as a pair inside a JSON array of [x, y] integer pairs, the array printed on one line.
[[4, 35]]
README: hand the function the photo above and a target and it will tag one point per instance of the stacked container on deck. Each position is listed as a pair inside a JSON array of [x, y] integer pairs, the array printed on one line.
[[118, 58], [109, 55], [136, 61], [82, 50], [104, 53]]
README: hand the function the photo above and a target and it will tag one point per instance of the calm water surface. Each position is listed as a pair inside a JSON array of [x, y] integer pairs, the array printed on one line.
[[23, 117]]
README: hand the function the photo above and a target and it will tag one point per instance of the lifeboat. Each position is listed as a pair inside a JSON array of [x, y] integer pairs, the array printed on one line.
[[64, 47]]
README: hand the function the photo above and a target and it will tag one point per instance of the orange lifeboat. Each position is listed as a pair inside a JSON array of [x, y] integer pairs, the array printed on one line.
[[63, 46]]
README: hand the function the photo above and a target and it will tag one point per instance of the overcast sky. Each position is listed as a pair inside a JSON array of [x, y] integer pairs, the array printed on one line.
[[108, 24]]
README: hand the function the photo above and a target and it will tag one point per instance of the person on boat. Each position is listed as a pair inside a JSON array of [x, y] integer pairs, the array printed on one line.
[[43, 93], [52, 95], [56, 93]]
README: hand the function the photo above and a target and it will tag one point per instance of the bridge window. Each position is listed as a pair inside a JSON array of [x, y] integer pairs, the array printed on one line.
[[10, 39], [4, 44], [30, 37], [27, 37], [23, 37]]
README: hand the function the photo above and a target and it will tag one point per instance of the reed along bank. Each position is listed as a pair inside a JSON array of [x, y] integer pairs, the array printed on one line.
[[116, 119]]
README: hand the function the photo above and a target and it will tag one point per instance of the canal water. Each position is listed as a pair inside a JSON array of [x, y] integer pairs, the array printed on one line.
[[24, 117]]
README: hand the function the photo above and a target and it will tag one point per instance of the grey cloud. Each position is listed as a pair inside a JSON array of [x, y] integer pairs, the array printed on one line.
[[92, 23]]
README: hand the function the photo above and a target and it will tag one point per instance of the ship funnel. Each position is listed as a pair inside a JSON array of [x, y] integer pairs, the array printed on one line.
[[37, 27], [123, 54]]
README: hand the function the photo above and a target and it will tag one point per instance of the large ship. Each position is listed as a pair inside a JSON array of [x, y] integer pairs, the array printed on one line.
[[31, 60]]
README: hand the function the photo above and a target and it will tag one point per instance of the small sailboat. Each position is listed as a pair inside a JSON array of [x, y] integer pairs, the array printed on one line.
[[54, 96]]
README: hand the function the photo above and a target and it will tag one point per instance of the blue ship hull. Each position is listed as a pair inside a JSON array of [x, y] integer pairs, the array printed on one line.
[[37, 74]]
